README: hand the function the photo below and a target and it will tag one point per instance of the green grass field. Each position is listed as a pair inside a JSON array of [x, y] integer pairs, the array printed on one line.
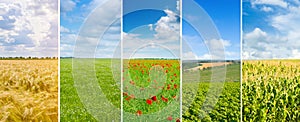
[[71, 108]]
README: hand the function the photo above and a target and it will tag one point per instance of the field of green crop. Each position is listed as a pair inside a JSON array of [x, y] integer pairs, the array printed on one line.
[[227, 108], [271, 90]]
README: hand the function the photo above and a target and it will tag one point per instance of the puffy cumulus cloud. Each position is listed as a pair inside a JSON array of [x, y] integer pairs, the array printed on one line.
[[167, 27], [166, 33], [261, 45], [29, 28], [283, 41], [252, 38]]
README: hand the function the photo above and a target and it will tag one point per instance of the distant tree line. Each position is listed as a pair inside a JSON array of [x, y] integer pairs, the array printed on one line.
[[27, 58]]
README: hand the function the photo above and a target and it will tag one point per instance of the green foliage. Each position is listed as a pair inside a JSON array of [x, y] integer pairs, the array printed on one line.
[[271, 91], [195, 95], [226, 109]]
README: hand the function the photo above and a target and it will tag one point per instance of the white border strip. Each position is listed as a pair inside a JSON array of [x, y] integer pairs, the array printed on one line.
[[241, 59], [121, 58], [58, 57], [181, 18]]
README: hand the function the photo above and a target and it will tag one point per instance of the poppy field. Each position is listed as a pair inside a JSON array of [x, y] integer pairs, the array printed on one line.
[[150, 86]]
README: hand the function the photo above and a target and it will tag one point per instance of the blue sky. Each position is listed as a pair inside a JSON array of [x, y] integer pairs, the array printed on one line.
[[73, 14], [151, 29], [271, 29], [225, 14], [24, 31], [146, 29]]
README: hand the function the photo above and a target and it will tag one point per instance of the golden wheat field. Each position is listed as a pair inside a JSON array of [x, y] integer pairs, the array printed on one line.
[[28, 90]]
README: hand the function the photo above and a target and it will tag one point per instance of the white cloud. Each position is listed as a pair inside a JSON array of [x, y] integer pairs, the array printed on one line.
[[167, 27], [64, 29], [295, 54], [189, 56], [280, 3], [257, 35], [282, 44], [177, 5], [288, 25], [217, 44], [151, 27], [67, 5], [166, 34], [261, 45], [266, 9], [30, 26]]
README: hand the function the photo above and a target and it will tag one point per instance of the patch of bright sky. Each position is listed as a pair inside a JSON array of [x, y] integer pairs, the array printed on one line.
[[271, 29], [226, 16], [148, 23]]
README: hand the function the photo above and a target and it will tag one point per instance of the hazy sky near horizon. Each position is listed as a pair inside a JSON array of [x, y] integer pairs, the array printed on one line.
[[271, 29], [29, 28]]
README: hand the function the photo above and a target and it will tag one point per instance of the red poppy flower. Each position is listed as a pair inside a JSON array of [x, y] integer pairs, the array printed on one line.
[[166, 71], [168, 87], [132, 82], [175, 86], [174, 96], [154, 98], [128, 98], [149, 102], [177, 120], [125, 93], [170, 118], [164, 99], [139, 113]]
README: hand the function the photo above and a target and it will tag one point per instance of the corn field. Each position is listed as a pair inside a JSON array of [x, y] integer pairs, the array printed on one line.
[[271, 90], [28, 90]]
